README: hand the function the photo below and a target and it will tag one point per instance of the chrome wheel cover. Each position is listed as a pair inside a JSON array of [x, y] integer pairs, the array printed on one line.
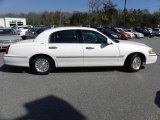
[[42, 65], [136, 64]]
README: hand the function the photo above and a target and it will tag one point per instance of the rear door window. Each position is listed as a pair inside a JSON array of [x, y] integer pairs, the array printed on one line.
[[66, 36]]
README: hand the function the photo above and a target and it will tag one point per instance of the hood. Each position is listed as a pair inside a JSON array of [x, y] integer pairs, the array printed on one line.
[[11, 37], [129, 33], [122, 42], [137, 33]]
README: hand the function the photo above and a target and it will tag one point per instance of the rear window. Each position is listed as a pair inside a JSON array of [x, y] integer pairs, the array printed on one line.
[[23, 27], [120, 30], [4, 32], [156, 29], [38, 31]]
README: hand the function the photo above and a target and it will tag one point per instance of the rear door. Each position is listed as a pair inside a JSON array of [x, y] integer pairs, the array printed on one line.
[[66, 47]]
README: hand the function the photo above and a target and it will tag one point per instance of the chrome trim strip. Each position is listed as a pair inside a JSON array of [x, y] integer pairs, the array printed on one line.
[[151, 55], [90, 57], [16, 56]]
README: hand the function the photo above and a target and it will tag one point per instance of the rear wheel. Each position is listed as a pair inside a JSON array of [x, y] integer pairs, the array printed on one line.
[[134, 63], [42, 65]]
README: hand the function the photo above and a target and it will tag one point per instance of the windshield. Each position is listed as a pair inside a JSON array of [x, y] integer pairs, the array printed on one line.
[[108, 30], [125, 30], [133, 31], [115, 40], [120, 30], [5, 32], [38, 31]]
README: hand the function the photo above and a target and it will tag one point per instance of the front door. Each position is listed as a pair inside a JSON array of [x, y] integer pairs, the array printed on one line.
[[96, 50]]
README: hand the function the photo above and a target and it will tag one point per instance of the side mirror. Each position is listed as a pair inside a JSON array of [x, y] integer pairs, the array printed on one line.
[[109, 42]]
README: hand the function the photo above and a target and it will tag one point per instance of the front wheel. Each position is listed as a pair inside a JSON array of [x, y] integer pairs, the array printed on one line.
[[134, 63], [42, 65]]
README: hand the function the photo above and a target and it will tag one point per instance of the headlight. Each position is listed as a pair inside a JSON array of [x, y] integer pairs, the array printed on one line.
[[150, 51]]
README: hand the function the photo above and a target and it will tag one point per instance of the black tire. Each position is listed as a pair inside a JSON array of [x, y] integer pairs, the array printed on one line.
[[24, 37], [135, 36], [40, 61], [133, 63]]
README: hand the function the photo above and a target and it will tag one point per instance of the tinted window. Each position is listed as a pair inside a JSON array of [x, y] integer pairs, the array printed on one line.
[[120, 30], [93, 37], [38, 31], [23, 27], [68, 36], [4, 32], [31, 30], [108, 30], [156, 29]]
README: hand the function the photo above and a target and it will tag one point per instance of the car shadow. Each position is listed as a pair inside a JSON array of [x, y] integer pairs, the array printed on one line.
[[13, 69], [157, 99], [51, 108], [88, 69]]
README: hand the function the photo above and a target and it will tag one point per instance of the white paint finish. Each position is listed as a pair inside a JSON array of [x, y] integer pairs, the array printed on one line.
[[100, 55], [66, 55], [69, 55], [2, 24]]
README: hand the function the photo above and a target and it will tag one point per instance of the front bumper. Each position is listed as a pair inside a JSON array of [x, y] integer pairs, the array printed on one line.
[[3, 46], [151, 59]]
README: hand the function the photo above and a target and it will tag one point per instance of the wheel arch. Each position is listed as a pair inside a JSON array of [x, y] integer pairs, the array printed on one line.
[[142, 56], [31, 58]]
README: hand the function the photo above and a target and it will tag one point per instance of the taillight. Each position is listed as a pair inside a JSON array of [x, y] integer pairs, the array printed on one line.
[[7, 49]]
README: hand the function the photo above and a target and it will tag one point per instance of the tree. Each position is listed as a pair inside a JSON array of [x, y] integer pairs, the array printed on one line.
[[109, 13]]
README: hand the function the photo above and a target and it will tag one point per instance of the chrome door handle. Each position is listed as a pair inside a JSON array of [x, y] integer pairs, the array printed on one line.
[[89, 48], [53, 47]]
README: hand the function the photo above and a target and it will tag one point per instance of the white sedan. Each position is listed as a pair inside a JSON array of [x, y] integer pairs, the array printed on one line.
[[137, 34], [77, 47]]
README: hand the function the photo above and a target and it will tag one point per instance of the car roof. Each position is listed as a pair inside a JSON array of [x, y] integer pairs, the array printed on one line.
[[72, 28], [5, 28]]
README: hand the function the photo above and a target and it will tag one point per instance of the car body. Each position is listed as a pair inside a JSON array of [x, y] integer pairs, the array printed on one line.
[[109, 32], [125, 31], [22, 30], [124, 36], [35, 31], [137, 34], [77, 47], [146, 31], [8, 36], [156, 31]]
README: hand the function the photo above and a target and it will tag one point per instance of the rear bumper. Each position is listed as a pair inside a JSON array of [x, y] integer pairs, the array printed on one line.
[[21, 61]]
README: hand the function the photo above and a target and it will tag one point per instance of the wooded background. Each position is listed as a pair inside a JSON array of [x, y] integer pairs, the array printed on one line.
[[100, 12]]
